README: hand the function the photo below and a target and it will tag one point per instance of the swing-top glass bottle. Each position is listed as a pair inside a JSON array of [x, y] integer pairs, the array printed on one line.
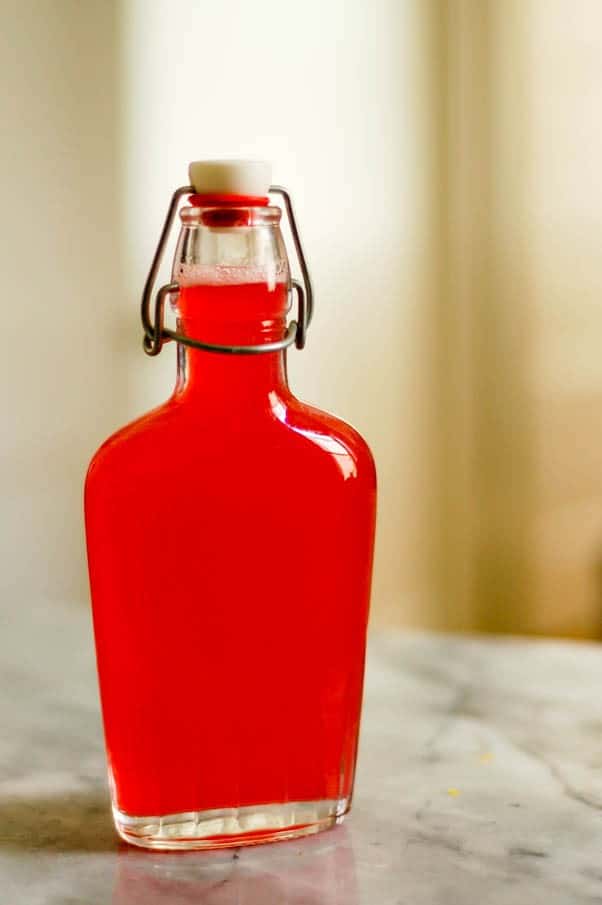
[[230, 534]]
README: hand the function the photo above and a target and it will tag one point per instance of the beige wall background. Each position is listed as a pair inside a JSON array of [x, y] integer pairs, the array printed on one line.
[[64, 378], [520, 366], [443, 156]]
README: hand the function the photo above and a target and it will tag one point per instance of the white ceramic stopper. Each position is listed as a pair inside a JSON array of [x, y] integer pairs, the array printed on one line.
[[231, 177]]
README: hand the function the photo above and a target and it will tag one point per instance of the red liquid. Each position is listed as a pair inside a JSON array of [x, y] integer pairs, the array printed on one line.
[[230, 540]]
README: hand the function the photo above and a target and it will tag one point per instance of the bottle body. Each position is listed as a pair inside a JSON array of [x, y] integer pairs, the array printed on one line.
[[230, 536]]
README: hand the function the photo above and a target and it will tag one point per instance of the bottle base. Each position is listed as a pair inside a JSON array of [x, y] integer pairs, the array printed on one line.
[[230, 827]]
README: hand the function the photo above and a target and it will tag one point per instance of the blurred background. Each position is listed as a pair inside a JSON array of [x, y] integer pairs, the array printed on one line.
[[444, 157]]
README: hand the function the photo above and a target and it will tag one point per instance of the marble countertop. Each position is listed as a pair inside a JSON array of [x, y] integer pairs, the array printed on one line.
[[479, 783]]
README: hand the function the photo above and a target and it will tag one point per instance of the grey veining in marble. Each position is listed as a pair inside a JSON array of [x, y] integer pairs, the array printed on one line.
[[479, 783]]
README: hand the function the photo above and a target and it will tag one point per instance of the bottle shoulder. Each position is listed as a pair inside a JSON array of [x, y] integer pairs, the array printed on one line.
[[289, 431], [131, 438], [329, 432]]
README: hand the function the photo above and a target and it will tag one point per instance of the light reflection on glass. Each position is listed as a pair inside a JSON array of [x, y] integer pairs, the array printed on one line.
[[319, 870], [326, 442]]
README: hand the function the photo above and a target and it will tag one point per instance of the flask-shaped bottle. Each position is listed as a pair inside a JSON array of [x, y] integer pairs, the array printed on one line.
[[230, 536]]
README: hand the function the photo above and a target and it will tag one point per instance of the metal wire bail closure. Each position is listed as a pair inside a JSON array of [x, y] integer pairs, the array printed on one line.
[[155, 333]]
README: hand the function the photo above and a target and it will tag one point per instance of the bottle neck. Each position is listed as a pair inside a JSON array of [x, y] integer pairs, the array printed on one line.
[[233, 314], [208, 377], [233, 277]]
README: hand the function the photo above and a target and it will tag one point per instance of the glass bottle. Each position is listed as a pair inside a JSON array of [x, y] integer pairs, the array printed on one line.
[[230, 536]]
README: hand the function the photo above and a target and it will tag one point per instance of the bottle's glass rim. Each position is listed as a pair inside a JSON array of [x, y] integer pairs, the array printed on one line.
[[222, 215]]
